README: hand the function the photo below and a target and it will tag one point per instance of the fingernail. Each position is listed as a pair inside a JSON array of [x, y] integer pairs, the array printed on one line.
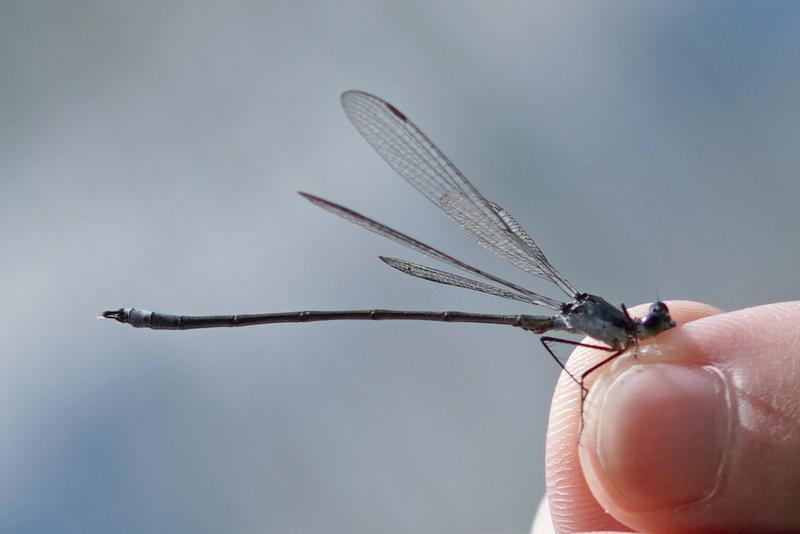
[[662, 434]]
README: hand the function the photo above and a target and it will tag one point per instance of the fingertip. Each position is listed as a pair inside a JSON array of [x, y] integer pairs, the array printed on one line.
[[656, 436], [571, 503], [700, 429]]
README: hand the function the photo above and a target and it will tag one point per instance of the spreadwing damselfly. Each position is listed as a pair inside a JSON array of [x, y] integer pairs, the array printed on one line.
[[423, 165]]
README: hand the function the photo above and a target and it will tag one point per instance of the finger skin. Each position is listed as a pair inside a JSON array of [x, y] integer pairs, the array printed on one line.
[[756, 355], [573, 508]]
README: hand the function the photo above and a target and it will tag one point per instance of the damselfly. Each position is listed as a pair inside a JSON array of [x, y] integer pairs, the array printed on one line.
[[420, 162]]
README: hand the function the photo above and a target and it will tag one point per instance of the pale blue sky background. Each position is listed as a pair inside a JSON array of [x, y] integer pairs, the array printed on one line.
[[150, 156]]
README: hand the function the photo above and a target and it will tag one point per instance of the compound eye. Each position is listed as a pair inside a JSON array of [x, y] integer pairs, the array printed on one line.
[[659, 308], [651, 322], [652, 325]]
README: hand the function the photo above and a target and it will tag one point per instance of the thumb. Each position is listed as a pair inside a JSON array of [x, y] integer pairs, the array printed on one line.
[[701, 430]]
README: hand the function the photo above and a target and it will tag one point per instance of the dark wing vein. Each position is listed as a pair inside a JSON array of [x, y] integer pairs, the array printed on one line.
[[450, 279], [414, 244], [420, 162]]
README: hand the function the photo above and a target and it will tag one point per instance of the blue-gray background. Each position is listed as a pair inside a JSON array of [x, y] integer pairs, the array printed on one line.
[[150, 156]]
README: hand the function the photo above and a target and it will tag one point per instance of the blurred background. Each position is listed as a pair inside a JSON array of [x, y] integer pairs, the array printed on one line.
[[151, 152]]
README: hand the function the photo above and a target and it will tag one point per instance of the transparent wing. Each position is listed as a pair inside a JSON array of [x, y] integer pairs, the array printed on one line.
[[420, 162], [414, 244], [450, 279]]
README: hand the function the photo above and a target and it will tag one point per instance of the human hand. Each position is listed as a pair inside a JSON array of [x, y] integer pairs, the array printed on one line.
[[699, 432]]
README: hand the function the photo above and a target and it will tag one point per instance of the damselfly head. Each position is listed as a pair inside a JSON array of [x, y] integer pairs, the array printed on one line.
[[654, 322]]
